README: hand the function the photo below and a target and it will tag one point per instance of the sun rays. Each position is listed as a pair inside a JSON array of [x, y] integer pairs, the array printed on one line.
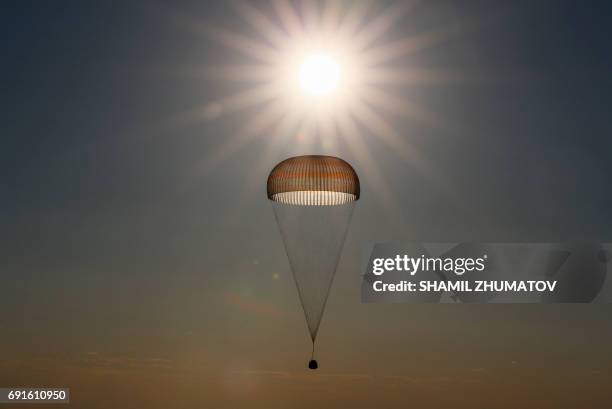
[[321, 73]]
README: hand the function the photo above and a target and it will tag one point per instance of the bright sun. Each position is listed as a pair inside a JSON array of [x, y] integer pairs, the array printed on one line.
[[319, 74]]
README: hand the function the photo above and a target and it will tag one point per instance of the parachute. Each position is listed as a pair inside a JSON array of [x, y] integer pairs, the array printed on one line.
[[313, 198]]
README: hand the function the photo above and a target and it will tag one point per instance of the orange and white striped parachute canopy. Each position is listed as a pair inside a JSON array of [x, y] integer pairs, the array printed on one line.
[[313, 180]]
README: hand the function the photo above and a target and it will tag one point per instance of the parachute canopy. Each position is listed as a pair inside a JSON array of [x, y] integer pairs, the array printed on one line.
[[313, 180]]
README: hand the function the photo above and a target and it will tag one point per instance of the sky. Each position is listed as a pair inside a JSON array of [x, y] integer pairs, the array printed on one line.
[[141, 264]]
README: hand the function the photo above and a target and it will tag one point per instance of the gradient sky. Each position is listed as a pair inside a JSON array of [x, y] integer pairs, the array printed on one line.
[[139, 276]]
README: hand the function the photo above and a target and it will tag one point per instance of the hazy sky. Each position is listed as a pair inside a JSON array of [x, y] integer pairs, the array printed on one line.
[[139, 273]]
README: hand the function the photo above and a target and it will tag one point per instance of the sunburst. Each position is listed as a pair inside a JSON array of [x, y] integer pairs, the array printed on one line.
[[321, 72]]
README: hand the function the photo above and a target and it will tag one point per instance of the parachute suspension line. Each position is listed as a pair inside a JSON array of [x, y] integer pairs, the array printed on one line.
[[313, 346]]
